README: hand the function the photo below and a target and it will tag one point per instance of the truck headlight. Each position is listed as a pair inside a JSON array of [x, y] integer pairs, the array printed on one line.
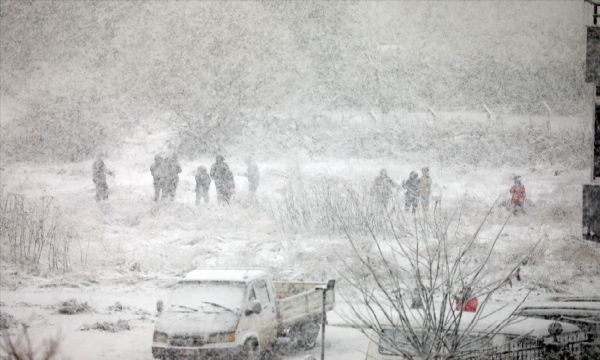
[[159, 337], [222, 338]]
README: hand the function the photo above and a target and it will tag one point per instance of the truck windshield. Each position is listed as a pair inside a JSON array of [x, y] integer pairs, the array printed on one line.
[[200, 296]]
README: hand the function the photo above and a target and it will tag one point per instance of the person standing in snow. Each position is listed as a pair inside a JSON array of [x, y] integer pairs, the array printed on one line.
[[412, 186], [425, 190], [518, 196], [383, 187], [223, 178], [466, 301], [202, 184], [172, 170], [156, 169], [99, 171], [252, 174]]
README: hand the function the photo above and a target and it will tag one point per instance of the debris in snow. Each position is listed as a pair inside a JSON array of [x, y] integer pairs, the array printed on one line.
[[120, 325], [73, 306], [135, 267], [7, 321], [117, 306]]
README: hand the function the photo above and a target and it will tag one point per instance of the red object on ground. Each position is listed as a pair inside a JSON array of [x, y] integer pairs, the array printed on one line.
[[470, 307], [518, 194]]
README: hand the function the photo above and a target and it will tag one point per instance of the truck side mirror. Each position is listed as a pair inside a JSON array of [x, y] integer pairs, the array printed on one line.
[[254, 308], [159, 306]]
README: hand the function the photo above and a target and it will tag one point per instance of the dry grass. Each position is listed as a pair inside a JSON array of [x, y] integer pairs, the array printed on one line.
[[33, 233]]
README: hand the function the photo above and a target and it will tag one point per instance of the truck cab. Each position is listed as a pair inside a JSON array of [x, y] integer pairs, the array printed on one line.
[[218, 312]]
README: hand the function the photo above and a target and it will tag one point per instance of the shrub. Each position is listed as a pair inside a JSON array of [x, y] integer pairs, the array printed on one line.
[[73, 306], [33, 232]]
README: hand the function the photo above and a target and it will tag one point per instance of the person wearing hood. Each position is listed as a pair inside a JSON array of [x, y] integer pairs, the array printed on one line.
[[99, 171], [202, 184], [156, 169], [252, 174], [383, 187], [412, 186], [223, 178], [517, 192], [425, 190], [172, 169]]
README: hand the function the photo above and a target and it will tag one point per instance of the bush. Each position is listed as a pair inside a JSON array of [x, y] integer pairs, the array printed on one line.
[[7, 321], [73, 306], [333, 205], [120, 325], [32, 232]]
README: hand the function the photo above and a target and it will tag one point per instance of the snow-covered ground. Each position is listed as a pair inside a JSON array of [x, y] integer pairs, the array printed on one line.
[[131, 249]]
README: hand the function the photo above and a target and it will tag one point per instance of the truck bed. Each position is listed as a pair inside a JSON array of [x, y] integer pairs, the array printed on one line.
[[300, 302]]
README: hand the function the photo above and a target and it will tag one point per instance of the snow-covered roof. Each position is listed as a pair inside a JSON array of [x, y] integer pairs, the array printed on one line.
[[240, 275]]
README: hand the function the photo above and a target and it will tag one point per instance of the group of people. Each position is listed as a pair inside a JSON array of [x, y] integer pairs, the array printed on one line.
[[165, 175], [418, 190], [220, 174]]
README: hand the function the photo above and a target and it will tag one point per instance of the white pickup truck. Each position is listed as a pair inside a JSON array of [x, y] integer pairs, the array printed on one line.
[[216, 314]]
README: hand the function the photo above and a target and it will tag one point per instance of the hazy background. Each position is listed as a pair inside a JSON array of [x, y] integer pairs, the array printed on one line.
[[79, 75]]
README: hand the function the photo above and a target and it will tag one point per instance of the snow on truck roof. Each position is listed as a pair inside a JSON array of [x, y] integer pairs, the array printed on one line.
[[225, 275]]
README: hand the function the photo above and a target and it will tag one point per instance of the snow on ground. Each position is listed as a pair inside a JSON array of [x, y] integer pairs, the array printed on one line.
[[131, 249]]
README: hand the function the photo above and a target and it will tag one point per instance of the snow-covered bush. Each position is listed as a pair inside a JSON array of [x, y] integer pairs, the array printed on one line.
[[332, 205], [7, 321], [417, 281], [108, 326], [73, 306], [33, 233]]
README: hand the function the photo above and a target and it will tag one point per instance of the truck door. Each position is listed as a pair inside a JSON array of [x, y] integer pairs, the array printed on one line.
[[268, 317]]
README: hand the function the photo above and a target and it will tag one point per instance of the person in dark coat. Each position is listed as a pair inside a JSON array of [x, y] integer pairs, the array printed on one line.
[[99, 171], [156, 169], [172, 170], [383, 187], [252, 174], [223, 178], [412, 186], [202, 184]]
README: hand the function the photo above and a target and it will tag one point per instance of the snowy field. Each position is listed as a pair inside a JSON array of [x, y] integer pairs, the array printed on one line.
[[131, 250], [323, 95]]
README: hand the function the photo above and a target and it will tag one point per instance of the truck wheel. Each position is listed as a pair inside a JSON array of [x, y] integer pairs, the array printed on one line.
[[305, 335], [250, 351]]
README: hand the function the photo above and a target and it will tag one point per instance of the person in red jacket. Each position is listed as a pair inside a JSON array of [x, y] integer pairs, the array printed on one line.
[[518, 196], [467, 301]]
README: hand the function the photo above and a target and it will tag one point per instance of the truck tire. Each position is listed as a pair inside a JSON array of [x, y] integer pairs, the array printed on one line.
[[250, 351], [304, 336]]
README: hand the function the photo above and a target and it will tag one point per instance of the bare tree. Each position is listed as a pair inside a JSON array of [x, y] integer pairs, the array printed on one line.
[[416, 277]]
